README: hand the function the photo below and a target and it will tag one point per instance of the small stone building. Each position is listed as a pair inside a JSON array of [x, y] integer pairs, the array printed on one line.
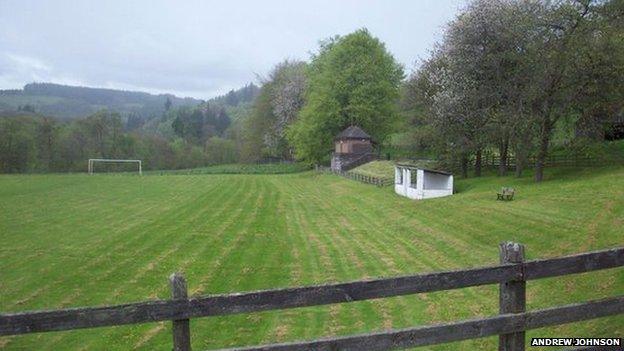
[[352, 147], [418, 183]]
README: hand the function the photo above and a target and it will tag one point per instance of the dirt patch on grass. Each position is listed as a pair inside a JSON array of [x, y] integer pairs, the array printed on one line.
[[147, 336]]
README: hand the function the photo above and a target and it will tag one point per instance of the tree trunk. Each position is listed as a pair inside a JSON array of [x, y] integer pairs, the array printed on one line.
[[522, 148], [520, 161], [542, 153], [519, 168], [464, 165], [503, 149], [478, 163]]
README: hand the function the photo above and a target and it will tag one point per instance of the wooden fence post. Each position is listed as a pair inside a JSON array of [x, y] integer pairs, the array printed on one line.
[[181, 328], [512, 296]]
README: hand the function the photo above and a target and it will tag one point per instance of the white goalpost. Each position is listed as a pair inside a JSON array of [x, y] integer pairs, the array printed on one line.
[[92, 161]]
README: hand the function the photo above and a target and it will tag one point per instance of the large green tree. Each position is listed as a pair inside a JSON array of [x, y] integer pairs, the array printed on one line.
[[508, 70], [353, 80], [479, 72], [574, 61]]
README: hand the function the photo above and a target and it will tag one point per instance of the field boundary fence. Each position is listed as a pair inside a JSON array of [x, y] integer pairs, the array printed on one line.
[[378, 181], [512, 275], [493, 161]]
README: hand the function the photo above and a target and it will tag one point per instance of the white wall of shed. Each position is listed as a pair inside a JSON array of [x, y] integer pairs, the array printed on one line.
[[428, 184]]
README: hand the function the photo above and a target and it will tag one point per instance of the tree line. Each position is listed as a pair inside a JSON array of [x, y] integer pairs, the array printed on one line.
[[503, 80], [504, 77], [174, 136], [34, 143], [507, 72]]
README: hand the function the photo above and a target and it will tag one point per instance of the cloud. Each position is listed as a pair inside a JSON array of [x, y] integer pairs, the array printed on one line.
[[26, 63], [16, 70], [195, 47]]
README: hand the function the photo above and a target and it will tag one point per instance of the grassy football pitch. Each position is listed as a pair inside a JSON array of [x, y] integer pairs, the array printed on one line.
[[78, 240]]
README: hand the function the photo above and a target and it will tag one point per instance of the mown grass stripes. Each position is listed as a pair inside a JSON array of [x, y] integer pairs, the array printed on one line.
[[73, 240]]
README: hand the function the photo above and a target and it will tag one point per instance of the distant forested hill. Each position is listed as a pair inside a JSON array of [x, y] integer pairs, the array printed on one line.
[[68, 102], [56, 128]]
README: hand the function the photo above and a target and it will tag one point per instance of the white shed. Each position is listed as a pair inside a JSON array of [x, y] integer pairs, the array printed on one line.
[[418, 183]]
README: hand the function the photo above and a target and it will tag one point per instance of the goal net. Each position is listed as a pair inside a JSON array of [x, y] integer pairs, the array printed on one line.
[[93, 161]]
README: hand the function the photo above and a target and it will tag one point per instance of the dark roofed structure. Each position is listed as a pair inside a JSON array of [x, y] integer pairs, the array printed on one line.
[[353, 132], [352, 147]]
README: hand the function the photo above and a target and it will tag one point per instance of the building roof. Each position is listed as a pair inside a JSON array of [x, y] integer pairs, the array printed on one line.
[[424, 169], [353, 132]]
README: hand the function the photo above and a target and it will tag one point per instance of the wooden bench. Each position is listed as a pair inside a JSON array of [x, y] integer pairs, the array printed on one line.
[[505, 194]]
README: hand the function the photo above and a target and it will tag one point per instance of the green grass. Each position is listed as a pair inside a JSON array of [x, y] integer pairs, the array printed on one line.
[[609, 152], [77, 240], [380, 169], [385, 169], [238, 168]]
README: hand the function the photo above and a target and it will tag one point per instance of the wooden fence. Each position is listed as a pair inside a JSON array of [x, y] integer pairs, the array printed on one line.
[[554, 161], [357, 176], [512, 274]]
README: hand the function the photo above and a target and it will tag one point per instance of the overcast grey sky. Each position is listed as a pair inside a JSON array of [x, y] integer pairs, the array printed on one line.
[[195, 48]]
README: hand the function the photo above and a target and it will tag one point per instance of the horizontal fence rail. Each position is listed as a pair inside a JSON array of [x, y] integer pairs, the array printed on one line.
[[464, 330], [181, 308], [379, 181], [219, 305], [553, 161]]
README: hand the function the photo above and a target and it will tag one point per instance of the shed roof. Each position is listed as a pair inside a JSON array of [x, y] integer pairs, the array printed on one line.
[[353, 132], [424, 169]]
